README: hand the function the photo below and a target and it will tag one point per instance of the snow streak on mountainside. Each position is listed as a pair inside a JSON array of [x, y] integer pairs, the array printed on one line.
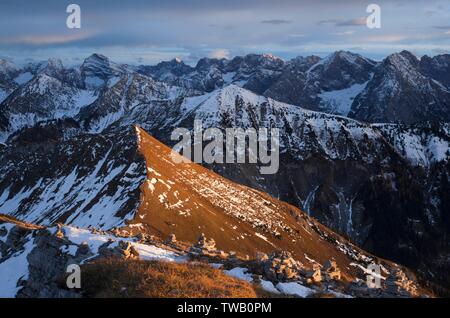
[[86, 180]]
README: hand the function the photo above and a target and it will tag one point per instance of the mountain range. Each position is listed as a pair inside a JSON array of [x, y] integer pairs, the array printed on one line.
[[179, 201], [364, 149]]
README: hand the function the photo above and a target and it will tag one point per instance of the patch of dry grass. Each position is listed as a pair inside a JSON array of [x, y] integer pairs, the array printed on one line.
[[117, 278]]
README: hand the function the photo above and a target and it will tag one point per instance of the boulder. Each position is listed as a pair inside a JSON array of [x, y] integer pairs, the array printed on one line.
[[171, 239], [280, 266], [261, 257], [47, 268], [314, 275], [203, 243], [331, 270], [141, 237], [398, 283], [59, 232], [83, 250], [204, 247], [123, 249]]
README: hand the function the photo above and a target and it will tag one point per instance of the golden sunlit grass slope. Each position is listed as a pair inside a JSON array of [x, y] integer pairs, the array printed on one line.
[[116, 278], [187, 199]]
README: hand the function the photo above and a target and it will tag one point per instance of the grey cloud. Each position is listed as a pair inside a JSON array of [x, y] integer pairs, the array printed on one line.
[[276, 21], [343, 23], [197, 27], [440, 51]]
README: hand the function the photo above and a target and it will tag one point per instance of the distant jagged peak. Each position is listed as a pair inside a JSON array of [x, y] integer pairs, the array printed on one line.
[[53, 67], [402, 61], [270, 56], [175, 65], [207, 62], [177, 60], [443, 59], [348, 57], [265, 60], [55, 63], [340, 59], [99, 61], [7, 65], [403, 65], [96, 57], [303, 59], [8, 69], [174, 61], [97, 70]]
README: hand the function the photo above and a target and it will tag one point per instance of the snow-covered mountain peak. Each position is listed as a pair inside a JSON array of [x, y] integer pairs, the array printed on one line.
[[233, 90], [42, 84], [55, 69], [403, 62], [304, 61], [270, 56], [96, 59], [402, 91], [263, 60], [7, 67], [97, 69], [55, 63]]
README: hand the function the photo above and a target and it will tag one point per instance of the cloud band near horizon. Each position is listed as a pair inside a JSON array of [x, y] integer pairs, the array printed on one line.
[[153, 30]]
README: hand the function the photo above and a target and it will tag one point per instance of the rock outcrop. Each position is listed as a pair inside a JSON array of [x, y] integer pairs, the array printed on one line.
[[279, 266], [122, 249], [171, 240], [331, 270]]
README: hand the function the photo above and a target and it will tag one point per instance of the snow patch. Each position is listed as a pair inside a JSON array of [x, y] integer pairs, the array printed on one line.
[[294, 289], [23, 78], [340, 101], [14, 269]]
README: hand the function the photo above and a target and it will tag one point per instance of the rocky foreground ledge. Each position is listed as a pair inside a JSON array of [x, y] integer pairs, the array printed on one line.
[[34, 262]]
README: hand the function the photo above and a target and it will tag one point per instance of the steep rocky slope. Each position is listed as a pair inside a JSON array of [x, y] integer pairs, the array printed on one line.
[[187, 199]]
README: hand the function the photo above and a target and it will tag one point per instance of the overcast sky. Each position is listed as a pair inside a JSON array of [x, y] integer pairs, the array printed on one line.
[[147, 31]]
